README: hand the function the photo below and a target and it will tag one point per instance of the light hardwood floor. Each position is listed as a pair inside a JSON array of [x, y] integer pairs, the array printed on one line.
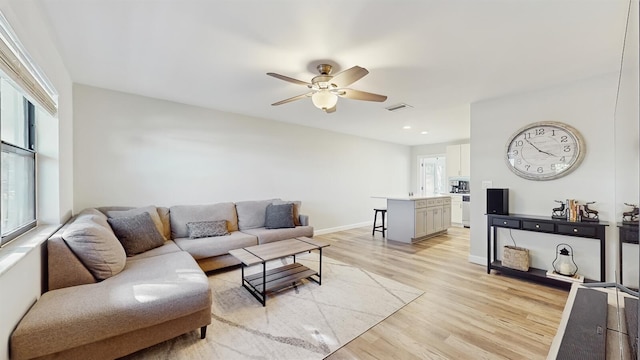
[[463, 314]]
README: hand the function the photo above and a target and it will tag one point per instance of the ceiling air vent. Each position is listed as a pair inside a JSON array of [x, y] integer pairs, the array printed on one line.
[[397, 107]]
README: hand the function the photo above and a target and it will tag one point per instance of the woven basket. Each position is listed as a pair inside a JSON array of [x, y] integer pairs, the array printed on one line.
[[516, 258]]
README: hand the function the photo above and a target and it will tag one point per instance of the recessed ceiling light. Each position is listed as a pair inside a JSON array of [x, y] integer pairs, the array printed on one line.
[[406, 127], [424, 132]]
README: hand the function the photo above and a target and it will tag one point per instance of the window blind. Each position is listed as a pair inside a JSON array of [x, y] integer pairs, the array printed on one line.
[[17, 64]]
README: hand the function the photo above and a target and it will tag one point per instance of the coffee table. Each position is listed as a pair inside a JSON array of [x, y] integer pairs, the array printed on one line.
[[274, 279]]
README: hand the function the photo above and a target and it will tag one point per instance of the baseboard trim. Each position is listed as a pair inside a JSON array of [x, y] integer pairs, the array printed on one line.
[[477, 260], [342, 228]]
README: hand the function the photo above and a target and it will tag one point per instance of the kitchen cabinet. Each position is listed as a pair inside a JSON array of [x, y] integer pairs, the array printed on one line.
[[456, 209], [411, 219], [421, 222], [446, 216], [458, 160]]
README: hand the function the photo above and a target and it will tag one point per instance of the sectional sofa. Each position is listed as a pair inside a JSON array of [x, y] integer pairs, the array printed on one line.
[[121, 279]]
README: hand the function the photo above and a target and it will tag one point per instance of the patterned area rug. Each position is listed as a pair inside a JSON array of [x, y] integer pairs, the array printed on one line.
[[306, 321]]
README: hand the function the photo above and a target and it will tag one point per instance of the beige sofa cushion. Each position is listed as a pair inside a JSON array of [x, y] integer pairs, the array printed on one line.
[[91, 239], [213, 246], [147, 292], [182, 214]]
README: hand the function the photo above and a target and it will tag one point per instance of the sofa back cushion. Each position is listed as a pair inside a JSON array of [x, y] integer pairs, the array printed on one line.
[[183, 214], [251, 214], [91, 239]]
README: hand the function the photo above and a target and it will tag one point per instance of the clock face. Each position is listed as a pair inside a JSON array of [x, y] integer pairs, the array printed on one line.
[[544, 150]]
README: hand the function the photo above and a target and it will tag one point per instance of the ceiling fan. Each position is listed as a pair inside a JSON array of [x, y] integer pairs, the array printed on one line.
[[325, 88]]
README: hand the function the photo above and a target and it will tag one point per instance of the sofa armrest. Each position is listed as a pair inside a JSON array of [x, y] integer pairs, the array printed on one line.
[[304, 219]]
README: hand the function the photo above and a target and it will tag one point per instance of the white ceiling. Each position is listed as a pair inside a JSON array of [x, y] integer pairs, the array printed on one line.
[[436, 55]]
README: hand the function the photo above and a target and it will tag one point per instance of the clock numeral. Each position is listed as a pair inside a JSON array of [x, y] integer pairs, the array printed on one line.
[[519, 162], [553, 132], [553, 166], [527, 135], [567, 148], [563, 159], [519, 143], [540, 170], [526, 167], [563, 138], [540, 131], [514, 152]]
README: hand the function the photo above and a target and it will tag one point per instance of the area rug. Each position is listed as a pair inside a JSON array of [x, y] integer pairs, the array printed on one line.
[[305, 321]]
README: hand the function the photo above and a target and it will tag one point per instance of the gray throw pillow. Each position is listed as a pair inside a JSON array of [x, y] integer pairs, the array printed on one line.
[[151, 210], [137, 233], [296, 209], [200, 229], [279, 216]]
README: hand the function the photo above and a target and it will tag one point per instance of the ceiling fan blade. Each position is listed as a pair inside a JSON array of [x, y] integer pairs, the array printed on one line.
[[292, 99], [349, 76], [330, 110], [289, 79], [361, 95]]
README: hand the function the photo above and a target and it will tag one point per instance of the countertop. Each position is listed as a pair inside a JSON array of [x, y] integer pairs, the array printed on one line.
[[413, 198]]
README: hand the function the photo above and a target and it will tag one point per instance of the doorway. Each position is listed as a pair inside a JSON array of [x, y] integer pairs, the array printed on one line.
[[432, 174]]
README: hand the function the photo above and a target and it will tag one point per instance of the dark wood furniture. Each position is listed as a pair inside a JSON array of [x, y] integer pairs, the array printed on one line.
[[628, 234], [261, 283], [541, 224]]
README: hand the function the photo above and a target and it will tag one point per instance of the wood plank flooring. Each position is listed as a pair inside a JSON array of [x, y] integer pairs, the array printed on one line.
[[465, 313]]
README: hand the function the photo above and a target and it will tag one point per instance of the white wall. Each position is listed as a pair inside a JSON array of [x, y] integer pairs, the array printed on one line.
[[133, 150], [589, 107], [20, 286]]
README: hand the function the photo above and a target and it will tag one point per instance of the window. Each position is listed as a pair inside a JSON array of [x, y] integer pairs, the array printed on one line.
[[18, 162], [432, 178]]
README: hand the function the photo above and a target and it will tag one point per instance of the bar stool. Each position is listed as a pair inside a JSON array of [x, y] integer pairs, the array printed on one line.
[[380, 228]]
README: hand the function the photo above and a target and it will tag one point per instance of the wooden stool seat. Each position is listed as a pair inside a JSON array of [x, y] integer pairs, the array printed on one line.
[[380, 228]]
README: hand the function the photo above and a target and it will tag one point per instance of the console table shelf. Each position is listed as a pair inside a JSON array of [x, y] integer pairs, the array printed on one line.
[[541, 224]]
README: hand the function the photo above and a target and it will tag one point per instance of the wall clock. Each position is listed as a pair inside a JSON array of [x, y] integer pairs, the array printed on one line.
[[544, 150]]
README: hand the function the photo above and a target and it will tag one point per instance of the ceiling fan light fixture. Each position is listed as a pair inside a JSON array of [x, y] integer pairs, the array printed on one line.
[[324, 99]]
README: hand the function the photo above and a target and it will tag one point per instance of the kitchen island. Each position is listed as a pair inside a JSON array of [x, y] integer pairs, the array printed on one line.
[[415, 218]]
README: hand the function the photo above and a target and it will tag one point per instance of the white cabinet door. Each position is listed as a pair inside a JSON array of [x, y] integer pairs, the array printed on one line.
[[434, 220], [437, 219], [465, 160], [446, 217], [421, 222], [456, 209], [453, 160], [458, 160]]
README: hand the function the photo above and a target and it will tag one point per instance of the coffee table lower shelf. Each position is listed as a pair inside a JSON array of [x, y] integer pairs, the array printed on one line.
[[275, 279]]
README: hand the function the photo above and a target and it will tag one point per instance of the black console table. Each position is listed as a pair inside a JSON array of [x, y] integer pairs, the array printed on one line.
[[543, 224], [628, 234]]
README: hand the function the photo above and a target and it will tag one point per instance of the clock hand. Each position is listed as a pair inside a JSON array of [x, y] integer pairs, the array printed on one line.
[[535, 147]]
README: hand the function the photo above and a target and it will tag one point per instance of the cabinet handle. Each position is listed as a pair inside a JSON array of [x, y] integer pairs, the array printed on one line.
[[537, 226], [575, 230], [504, 222]]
